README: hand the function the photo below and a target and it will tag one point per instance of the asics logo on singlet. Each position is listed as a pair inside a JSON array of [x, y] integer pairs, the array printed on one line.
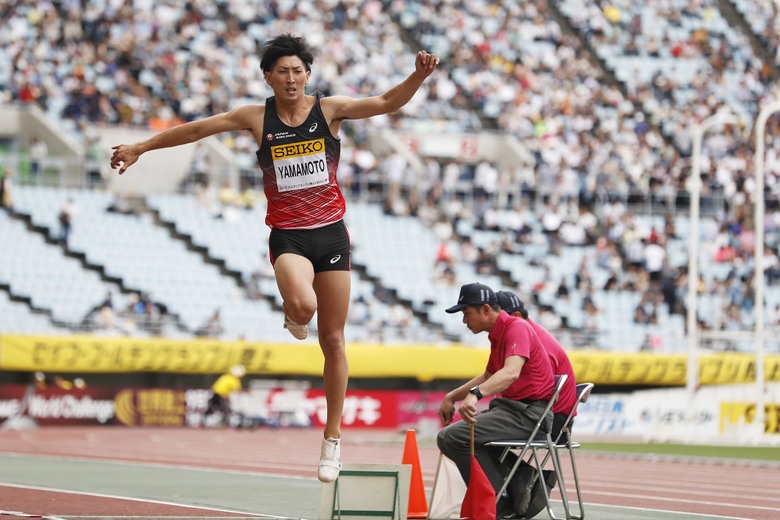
[[335, 259], [312, 127]]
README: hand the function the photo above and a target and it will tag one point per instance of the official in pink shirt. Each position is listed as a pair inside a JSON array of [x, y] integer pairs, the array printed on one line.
[[559, 360], [561, 365], [519, 373]]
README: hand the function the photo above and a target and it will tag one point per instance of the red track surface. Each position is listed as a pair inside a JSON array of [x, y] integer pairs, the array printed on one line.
[[42, 502], [706, 487]]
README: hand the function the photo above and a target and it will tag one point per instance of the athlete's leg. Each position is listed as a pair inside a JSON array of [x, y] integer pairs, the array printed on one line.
[[333, 296], [332, 288], [294, 277]]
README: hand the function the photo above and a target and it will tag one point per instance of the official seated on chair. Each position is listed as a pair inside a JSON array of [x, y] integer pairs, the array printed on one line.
[[559, 360], [518, 372]]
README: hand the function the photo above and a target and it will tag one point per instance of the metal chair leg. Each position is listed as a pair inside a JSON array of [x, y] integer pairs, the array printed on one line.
[[581, 515], [552, 453]]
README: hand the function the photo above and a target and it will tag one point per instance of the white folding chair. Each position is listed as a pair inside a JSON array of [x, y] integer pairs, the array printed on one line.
[[562, 442], [526, 444]]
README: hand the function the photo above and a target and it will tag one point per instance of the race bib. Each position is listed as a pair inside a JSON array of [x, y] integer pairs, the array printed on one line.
[[300, 165]]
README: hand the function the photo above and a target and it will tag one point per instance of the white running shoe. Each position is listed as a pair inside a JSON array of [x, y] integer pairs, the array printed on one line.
[[298, 331], [330, 460]]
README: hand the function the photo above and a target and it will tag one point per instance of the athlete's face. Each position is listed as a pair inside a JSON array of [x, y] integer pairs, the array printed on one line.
[[288, 77]]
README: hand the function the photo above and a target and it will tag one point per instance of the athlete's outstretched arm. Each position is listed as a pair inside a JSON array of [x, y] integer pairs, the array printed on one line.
[[125, 155], [344, 107]]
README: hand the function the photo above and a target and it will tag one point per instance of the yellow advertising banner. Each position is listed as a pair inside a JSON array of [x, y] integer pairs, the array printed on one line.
[[642, 368], [88, 354], [739, 414]]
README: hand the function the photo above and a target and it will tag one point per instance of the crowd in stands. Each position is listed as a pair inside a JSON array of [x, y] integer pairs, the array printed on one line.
[[763, 17], [134, 314], [597, 141], [608, 140], [155, 64]]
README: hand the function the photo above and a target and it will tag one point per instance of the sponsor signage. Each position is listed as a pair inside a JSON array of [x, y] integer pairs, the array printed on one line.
[[650, 414], [58, 406], [738, 414], [150, 407], [300, 165], [186, 407], [605, 368], [87, 354]]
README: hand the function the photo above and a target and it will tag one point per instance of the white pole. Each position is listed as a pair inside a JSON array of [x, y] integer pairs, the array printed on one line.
[[694, 187], [763, 116]]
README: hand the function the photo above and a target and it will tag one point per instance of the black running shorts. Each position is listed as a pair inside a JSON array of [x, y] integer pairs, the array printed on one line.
[[327, 248]]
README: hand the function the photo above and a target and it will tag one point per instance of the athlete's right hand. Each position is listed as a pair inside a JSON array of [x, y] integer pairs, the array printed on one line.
[[125, 155]]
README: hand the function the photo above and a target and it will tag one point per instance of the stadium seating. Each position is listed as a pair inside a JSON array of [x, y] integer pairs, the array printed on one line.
[[239, 238], [20, 319], [602, 96], [40, 271]]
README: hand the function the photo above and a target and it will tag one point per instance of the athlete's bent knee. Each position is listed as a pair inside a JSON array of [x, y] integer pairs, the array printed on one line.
[[300, 311]]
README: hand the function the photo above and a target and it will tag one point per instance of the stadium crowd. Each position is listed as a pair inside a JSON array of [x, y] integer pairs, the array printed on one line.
[[610, 136]]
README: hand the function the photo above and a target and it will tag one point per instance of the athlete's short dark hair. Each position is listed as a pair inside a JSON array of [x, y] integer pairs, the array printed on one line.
[[286, 44]]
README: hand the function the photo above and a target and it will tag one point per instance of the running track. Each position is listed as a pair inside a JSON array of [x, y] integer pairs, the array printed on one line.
[[64, 472]]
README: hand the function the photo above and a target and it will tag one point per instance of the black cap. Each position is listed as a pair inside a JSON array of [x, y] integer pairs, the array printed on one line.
[[474, 294], [509, 302]]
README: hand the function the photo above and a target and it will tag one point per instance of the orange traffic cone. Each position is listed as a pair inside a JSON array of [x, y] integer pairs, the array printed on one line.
[[418, 503]]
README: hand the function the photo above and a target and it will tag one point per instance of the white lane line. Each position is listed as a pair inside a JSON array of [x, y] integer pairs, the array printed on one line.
[[666, 511], [26, 515], [706, 491]]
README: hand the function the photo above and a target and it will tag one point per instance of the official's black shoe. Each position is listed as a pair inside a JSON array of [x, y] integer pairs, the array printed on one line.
[[520, 487], [538, 503], [504, 509]]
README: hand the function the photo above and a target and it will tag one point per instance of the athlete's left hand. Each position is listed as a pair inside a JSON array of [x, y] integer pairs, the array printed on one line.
[[425, 63]]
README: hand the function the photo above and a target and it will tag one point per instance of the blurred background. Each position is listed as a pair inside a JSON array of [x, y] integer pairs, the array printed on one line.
[[553, 153]]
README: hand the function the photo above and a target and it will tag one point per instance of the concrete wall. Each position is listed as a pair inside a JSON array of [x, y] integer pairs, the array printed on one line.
[[161, 171], [25, 121], [505, 152]]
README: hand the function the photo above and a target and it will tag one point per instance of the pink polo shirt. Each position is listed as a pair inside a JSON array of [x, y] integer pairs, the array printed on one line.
[[560, 365], [513, 337]]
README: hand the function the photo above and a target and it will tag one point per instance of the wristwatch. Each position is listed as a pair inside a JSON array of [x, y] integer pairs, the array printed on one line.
[[475, 391]]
